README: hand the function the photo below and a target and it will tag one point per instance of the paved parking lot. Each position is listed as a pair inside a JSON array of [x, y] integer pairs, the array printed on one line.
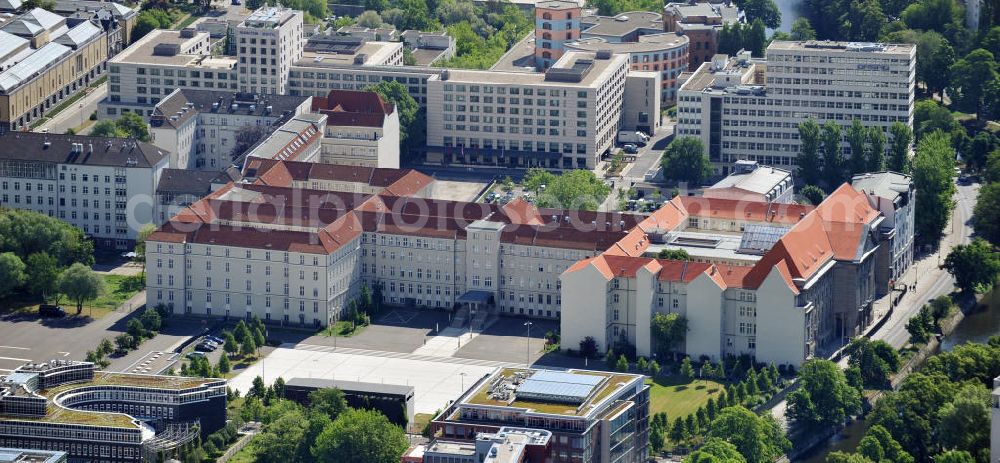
[[507, 341]]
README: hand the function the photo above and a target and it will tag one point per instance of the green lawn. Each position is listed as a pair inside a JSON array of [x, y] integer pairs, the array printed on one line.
[[678, 397], [119, 289]]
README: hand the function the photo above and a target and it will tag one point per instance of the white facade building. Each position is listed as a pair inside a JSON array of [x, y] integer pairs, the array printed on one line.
[[267, 43], [104, 186], [361, 129], [201, 128], [745, 108]]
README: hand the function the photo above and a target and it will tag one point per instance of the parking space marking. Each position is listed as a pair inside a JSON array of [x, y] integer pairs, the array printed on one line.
[[64, 354], [397, 317], [15, 359], [12, 347]]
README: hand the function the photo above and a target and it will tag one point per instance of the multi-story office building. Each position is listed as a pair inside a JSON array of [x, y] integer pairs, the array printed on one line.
[[208, 129], [592, 416], [557, 22], [743, 108], [361, 129], [267, 43], [45, 61], [639, 34], [893, 195], [104, 186], [701, 21], [564, 118], [106, 417], [163, 61], [798, 282]]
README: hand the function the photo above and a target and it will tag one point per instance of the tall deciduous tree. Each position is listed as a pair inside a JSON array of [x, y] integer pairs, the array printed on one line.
[[685, 160], [857, 138], [765, 10], [808, 159], [830, 142], [802, 30], [668, 330], [876, 149], [80, 284], [965, 421], [975, 266], [971, 80], [933, 169], [716, 450], [360, 436], [42, 274], [758, 438], [899, 158], [825, 399], [12, 274], [986, 215]]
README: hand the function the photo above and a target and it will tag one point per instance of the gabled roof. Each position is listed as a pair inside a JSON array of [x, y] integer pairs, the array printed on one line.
[[31, 66], [353, 108], [736, 210], [522, 212], [79, 35]]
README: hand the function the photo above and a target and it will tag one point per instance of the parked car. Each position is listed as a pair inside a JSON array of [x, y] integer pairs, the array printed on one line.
[[196, 354], [203, 347], [215, 339], [49, 310], [629, 148]]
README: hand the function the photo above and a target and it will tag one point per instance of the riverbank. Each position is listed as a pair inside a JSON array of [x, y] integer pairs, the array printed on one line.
[[957, 325]]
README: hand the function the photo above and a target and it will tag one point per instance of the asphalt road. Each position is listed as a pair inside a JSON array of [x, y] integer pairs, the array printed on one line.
[[76, 114]]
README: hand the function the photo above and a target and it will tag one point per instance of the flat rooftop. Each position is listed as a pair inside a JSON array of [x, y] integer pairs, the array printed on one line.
[[761, 179], [646, 43], [597, 72], [709, 246], [592, 387], [739, 74], [268, 17], [621, 24], [373, 52], [843, 47], [143, 52], [11, 455]]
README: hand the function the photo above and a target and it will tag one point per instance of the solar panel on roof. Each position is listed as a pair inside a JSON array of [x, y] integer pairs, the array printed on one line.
[[557, 386], [758, 239]]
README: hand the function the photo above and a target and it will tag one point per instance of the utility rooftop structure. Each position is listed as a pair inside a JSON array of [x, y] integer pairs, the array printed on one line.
[[12, 455], [750, 181]]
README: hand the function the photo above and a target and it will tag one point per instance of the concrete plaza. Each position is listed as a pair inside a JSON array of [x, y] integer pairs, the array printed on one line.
[[436, 380]]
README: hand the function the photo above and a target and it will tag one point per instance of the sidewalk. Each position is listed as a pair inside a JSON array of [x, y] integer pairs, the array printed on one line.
[[446, 343]]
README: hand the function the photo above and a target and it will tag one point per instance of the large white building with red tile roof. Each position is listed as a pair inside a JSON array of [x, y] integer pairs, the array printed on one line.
[[285, 246]]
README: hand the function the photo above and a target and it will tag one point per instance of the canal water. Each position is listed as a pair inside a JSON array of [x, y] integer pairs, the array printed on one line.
[[976, 327], [789, 12]]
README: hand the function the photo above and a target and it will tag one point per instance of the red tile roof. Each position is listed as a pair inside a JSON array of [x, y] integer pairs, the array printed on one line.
[[754, 211], [353, 108]]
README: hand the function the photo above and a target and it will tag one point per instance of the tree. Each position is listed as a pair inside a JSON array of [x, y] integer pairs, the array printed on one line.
[[135, 329], [656, 439], [685, 160], [133, 126], [328, 401], [41, 274], [150, 319], [857, 138], [241, 331], [248, 348], [360, 436], [979, 150], [107, 127], [876, 361], [668, 330], [935, 15], [654, 368], [80, 284], [574, 189], [716, 450], [642, 364], [622, 364], [934, 57], [986, 214], [759, 439], [902, 136], [844, 457], [258, 337], [876, 150], [965, 421], [282, 437], [929, 116], [975, 266], [878, 442], [124, 342], [970, 79], [813, 194], [954, 456], [825, 399], [29, 5], [224, 366], [279, 388], [992, 171], [673, 254], [12, 274], [863, 20], [830, 142], [687, 371], [808, 159], [588, 347], [370, 19], [755, 38], [229, 343], [932, 177], [802, 30], [678, 432], [765, 10]]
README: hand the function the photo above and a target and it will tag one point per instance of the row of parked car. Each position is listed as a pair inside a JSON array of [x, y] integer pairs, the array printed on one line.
[[209, 344]]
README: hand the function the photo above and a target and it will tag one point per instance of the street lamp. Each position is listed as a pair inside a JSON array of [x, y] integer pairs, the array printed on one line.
[[527, 353], [462, 374]]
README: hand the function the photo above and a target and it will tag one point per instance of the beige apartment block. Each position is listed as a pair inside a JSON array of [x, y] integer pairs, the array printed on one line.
[[267, 43]]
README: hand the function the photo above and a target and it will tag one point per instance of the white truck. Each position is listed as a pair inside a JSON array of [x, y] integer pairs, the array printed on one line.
[[627, 136]]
